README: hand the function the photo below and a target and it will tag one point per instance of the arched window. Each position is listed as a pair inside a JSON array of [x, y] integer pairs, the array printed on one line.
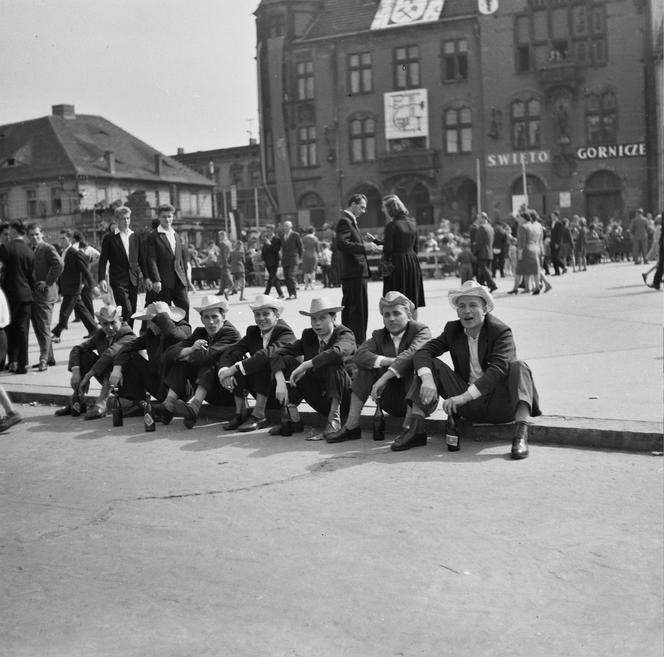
[[601, 118], [526, 120], [458, 131], [362, 140]]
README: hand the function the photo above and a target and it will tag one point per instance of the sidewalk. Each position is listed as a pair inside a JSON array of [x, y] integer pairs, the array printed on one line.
[[594, 344]]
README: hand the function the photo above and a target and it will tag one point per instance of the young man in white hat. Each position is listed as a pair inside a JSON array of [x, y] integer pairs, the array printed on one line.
[[245, 367], [165, 326], [321, 379], [194, 360], [487, 384], [385, 364], [94, 358]]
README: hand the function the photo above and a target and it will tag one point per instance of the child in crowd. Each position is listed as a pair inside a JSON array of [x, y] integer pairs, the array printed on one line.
[[465, 259], [238, 268], [510, 261], [325, 262]]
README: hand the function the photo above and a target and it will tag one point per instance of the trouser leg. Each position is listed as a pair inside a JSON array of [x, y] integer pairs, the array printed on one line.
[[125, 297], [355, 314], [41, 314], [66, 309]]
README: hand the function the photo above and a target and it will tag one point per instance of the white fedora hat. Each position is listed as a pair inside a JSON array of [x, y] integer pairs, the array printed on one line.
[[266, 301], [175, 313], [210, 301], [321, 305], [471, 289], [394, 298]]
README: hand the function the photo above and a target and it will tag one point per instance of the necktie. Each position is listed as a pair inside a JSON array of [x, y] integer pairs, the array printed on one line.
[[322, 347]]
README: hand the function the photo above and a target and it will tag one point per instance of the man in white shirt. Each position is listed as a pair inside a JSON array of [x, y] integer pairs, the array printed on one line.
[[488, 384]]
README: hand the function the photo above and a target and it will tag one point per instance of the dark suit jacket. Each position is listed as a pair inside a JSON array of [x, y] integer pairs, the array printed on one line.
[[170, 333], [484, 242], [339, 351], [164, 266], [76, 272], [557, 234], [122, 270], [47, 268], [380, 343], [107, 349], [495, 348], [18, 259], [350, 244], [252, 344], [224, 338], [291, 249], [270, 253]]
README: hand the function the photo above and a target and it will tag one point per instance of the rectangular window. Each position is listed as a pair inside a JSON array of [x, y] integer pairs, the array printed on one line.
[[305, 80], [599, 51], [306, 147], [56, 200], [455, 60], [32, 203], [458, 131], [360, 79], [407, 67], [4, 207], [406, 144], [523, 59], [526, 124], [579, 21], [362, 140]]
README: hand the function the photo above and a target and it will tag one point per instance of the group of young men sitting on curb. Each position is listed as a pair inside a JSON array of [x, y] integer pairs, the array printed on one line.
[[399, 364]]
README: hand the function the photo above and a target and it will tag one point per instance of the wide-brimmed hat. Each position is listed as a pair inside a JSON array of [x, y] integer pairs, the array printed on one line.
[[109, 313], [471, 289], [210, 301], [266, 301], [393, 298], [321, 305], [157, 307]]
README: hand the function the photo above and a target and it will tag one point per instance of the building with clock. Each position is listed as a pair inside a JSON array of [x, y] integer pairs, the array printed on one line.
[[455, 104]]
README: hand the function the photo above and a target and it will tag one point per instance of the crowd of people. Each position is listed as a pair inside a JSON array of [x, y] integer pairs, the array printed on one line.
[[36, 274]]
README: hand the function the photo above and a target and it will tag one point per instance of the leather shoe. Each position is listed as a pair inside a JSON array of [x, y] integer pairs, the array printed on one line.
[[253, 423], [296, 427], [189, 415], [95, 413], [344, 434], [236, 421], [161, 413], [412, 436], [65, 410], [520, 441]]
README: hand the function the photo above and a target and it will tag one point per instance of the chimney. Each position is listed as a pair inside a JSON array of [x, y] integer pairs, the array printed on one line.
[[180, 150], [110, 161], [157, 164], [63, 111]]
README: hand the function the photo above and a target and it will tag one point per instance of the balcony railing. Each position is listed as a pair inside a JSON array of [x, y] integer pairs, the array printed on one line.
[[414, 160]]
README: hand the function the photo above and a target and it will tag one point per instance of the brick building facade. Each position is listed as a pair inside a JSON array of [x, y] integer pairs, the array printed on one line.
[[453, 102]]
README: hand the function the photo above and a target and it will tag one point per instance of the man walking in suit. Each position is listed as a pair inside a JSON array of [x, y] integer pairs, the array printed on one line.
[[48, 266], [18, 261], [556, 244], [166, 262], [483, 251], [354, 267], [74, 274], [291, 253], [639, 230], [121, 251], [270, 254]]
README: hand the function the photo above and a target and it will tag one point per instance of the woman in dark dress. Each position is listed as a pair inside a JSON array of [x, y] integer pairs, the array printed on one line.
[[401, 268]]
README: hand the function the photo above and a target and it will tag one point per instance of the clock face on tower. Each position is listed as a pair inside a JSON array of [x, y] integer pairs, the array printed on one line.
[[394, 13]]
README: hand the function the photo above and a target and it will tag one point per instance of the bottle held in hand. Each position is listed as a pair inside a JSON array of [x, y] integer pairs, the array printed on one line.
[[148, 415], [114, 407], [286, 428], [452, 434], [379, 422]]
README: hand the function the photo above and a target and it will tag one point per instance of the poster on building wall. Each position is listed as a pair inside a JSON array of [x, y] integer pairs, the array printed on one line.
[[395, 13], [406, 114]]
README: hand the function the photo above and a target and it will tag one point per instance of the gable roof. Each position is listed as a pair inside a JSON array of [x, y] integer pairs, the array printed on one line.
[[57, 146]]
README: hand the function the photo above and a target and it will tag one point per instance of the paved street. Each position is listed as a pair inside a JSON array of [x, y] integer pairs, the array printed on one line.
[[122, 543], [180, 543]]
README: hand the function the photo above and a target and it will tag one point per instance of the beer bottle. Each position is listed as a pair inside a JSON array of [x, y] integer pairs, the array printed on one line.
[[76, 401], [378, 422], [115, 408], [452, 434], [148, 415], [286, 428]]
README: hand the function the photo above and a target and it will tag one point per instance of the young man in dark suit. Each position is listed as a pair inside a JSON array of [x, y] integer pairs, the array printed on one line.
[[75, 274], [47, 269], [321, 379], [488, 384], [291, 254], [166, 262], [121, 251], [245, 367], [270, 254], [18, 261], [385, 364], [354, 267]]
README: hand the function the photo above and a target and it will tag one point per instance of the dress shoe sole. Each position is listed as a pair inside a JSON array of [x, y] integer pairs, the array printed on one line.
[[350, 434], [518, 456]]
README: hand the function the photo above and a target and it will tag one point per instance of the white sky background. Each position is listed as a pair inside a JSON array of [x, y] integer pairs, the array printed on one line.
[[171, 72]]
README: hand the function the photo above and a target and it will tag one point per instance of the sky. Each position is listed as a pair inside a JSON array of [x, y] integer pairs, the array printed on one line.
[[174, 73]]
